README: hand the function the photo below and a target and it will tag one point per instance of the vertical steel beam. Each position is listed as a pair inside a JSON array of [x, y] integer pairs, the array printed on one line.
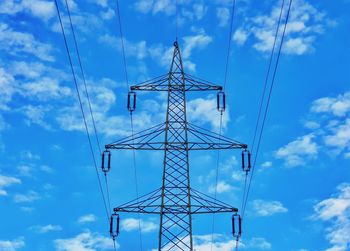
[[175, 232]]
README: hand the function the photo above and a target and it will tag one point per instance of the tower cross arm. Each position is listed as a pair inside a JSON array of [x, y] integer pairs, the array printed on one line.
[[161, 83]]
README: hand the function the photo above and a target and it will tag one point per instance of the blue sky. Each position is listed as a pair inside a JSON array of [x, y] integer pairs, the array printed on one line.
[[49, 197]]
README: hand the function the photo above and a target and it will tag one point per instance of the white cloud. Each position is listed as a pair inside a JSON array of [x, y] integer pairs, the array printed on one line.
[[36, 115], [223, 14], [144, 6], [85, 22], [156, 6], [164, 6], [45, 89], [17, 43], [266, 164], [132, 224], [7, 88], [223, 243], [28, 155], [305, 24], [198, 41], [240, 36], [197, 11], [330, 131], [45, 229], [203, 111], [87, 218], [160, 53], [311, 125], [25, 170], [107, 14], [6, 181], [37, 8], [295, 152], [267, 208], [7, 245], [338, 106], [132, 49], [102, 3], [86, 241], [340, 136], [336, 212], [30, 196], [221, 187]]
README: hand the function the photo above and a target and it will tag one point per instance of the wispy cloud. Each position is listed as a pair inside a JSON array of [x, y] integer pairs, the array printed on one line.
[[87, 218], [338, 106], [336, 211], [12, 245], [329, 131], [132, 224], [45, 229], [223, 14], [85, 241], [42, 9], [267, 208], [18, 43], [221, 187], [203, 110], [6, 181], [186, 11], [305, 25], [225, 243], [298, 151], [160, 53], [30, 196]]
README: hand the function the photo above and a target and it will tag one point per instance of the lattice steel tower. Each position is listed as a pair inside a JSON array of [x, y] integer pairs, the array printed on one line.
[[175, 201]]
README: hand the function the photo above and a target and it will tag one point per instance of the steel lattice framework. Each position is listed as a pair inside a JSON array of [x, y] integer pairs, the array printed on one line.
[[175, 201]]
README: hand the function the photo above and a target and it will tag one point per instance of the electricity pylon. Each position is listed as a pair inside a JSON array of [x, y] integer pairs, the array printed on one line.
[[175, 201]]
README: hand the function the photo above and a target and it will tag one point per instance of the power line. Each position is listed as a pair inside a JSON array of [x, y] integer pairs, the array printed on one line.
[[80, 102], [131, 118], [263, 95], [246, 195], [267, 105], [122, 44], [221, 116], [88, 99], [83, 75]]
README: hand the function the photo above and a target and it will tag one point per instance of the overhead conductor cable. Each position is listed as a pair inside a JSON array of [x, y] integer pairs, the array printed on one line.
[[267, 104]]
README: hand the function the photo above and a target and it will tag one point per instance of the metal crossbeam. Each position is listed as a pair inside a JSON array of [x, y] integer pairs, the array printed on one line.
[[198, 139], [151, 204], [161, 83]]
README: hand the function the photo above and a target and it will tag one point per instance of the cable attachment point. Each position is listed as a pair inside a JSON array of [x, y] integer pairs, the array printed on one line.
[[131, 101], [221, 102], [114, 225], [106, 161], [246, 160], [236, 226]]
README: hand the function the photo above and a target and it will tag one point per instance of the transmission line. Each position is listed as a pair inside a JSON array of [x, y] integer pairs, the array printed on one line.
[[131, 116], [244, 205], [221, 116], [88, 99], [263, 94], [268, 102], [246, 193], [80, 101], [83, 76]]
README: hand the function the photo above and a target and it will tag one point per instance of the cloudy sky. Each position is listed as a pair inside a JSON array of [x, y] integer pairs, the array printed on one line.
[[49, 194]]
